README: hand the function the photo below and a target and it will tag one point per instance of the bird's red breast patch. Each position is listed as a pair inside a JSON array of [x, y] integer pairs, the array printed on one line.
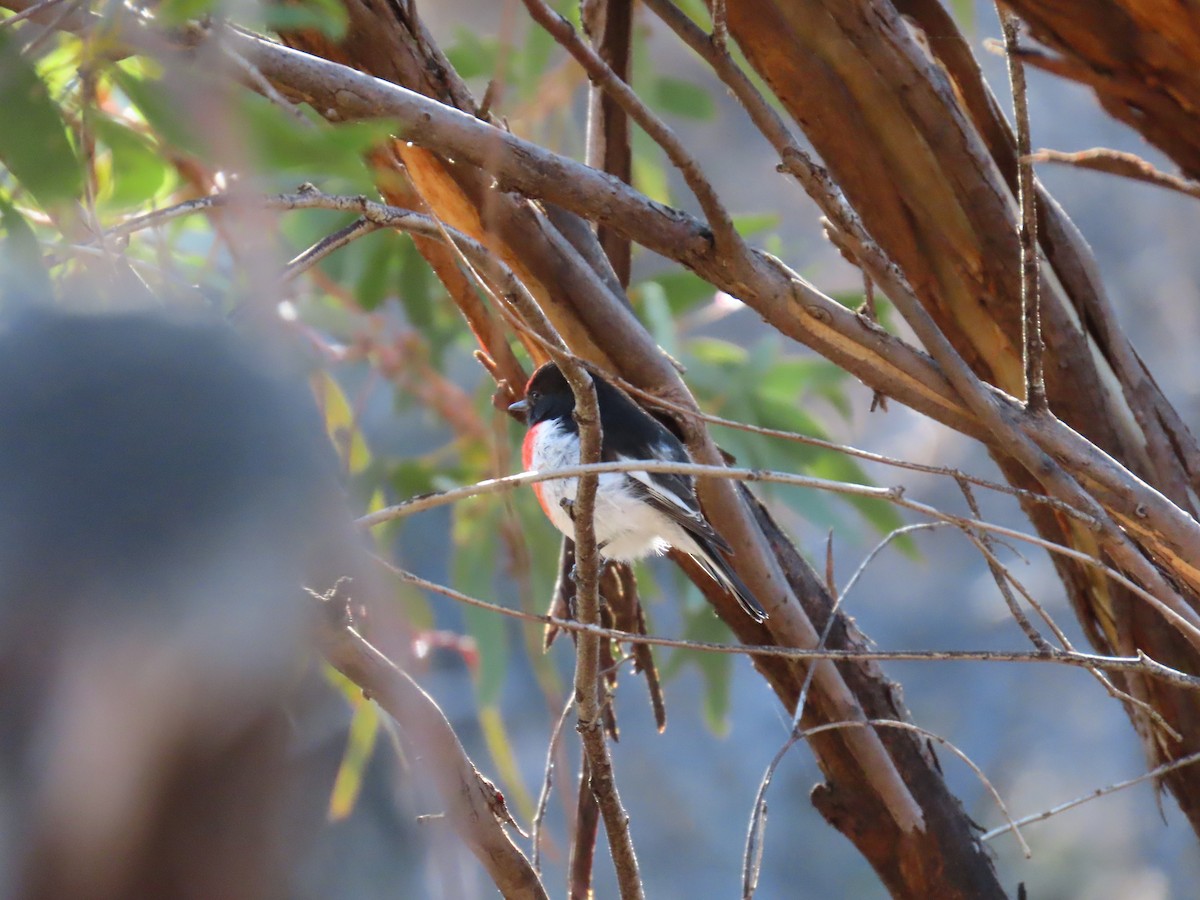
[[527, 461]]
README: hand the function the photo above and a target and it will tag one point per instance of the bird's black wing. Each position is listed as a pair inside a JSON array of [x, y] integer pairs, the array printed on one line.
[[630, 434]]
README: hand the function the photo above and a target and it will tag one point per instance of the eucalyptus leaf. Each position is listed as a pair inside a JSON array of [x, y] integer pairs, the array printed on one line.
[[683, 98], [34, 146]]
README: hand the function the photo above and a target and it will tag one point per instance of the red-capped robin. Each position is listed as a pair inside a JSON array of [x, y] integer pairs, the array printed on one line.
[[636, 513]]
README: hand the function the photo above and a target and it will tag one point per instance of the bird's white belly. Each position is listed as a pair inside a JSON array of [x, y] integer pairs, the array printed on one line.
[[626, 527]]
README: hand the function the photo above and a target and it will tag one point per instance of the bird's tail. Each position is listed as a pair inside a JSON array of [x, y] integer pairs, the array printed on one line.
[[711, 560]]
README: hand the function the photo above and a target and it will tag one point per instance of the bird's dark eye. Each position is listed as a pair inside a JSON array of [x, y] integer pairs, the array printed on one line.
[[533, 396]]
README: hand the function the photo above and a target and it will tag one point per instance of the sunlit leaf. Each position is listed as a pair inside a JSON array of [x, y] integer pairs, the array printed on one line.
[[34, 145], [657, 313], [717, 352], [650, 177], [360, 743], [159, 108], [341, 423], [178, 12], [495, 734], [964, 14], [136, 167]]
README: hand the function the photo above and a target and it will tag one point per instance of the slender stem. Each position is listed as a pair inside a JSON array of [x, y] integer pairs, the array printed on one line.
[[1140, 663], [1031, 303]]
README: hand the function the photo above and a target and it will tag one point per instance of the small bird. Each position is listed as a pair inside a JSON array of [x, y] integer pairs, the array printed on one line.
[[636, 513]]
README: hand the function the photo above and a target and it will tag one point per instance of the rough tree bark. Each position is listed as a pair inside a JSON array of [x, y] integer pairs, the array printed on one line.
[[912, 134]]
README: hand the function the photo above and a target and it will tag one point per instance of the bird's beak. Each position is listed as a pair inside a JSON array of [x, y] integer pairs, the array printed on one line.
[[520, 409]]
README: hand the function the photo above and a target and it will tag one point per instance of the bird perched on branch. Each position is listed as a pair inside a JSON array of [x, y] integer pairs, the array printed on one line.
[[636, 513]]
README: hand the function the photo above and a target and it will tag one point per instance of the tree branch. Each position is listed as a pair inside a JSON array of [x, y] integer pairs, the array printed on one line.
[[1031, 304], [473, 806]]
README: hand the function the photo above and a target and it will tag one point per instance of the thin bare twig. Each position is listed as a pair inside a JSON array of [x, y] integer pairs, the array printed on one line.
[[600, 776], [998, 573], [472, 804], [547, 781], [725, 235], [1141, 663], [1093, 795], [1031, 304], [752, 856], [327, 245], [1013, 826], [39, 7], [1118, 162], [893, 495]]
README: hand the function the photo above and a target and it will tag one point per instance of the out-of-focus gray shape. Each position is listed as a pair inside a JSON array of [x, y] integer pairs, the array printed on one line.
[[163, 496]]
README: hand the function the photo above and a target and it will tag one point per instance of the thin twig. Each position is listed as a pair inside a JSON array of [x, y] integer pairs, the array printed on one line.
[[725, 235], [1013, 826], [720, 27], [40, 6], [895, 495], [998, 575], [602, 782], [535, 857], [1031, 302], [327, 245], [472, 804], [1141, 663], [752, 856], [1158, 772], [1118, 162], [1116, 693]]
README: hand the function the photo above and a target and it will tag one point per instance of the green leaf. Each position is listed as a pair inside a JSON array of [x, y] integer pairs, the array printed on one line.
[[179, 12], [750, 224], [471, 55], [22, 275], [310, 150], [416, 287], [159, 108], [360, 743], [495, 735], [136, 167], [533, 60], [650, 177], [716, 352], [683, 98], [326, 16], [378, 258], [881, 514], [475, 553], [341, 424], [657, 312], [964, 14], [34, 145], [716, 669], [684, 289]]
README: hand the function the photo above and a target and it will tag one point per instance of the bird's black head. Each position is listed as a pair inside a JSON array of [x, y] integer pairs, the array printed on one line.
[[547, 396]]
